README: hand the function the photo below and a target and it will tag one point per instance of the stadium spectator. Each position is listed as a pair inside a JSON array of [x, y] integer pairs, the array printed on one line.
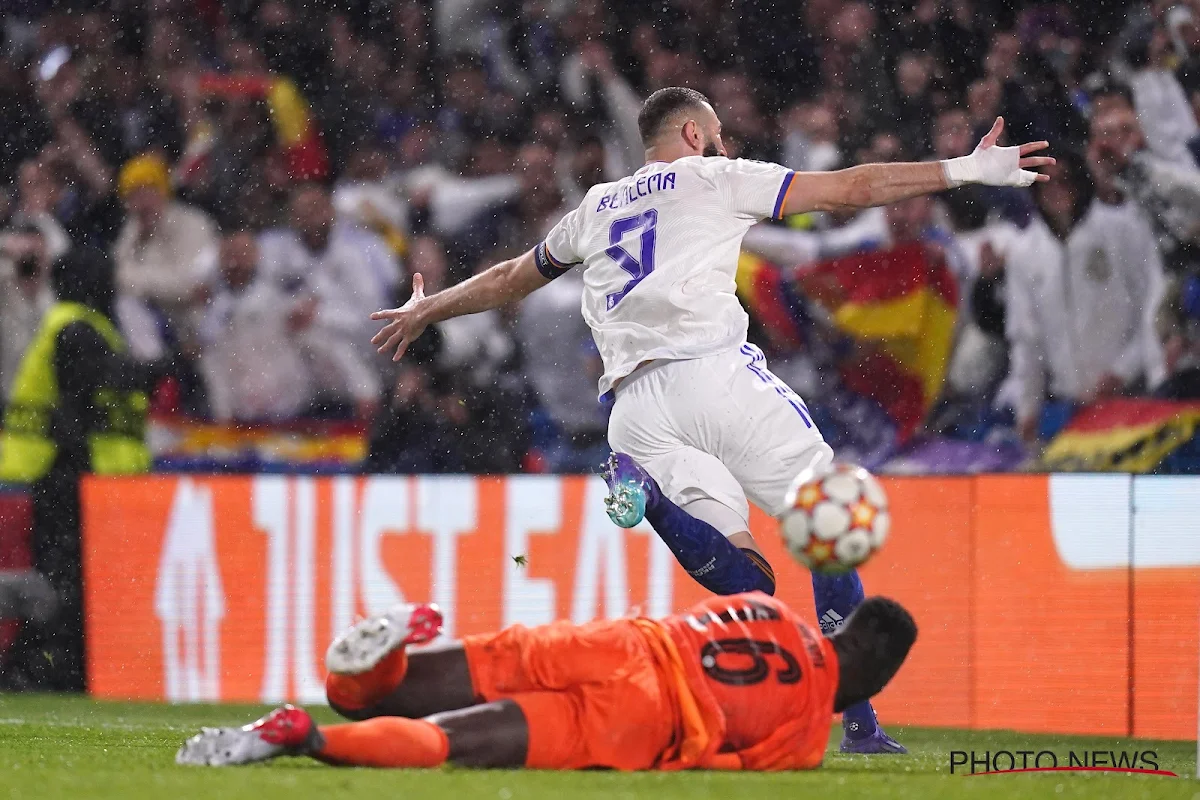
[[852, 64], [470, 109], [1082, 285], [811, 138], [253, 359], [228, 139], [580, 168], [478, 123], [537, 206], [1183, 23], [743, 122], [952, 133], [77, 405], [1169, 194], [563, 367], [32, 240], [979, 360], [413, 431], [349, 273], [75, 127], [983, 102], [369, 198], [1162, 107], [25, 294], [1046, 104], [1168, 191], [26, 129], [882, 146], [448, 201], [478, 369], [593, 88], [914, 103], [161, 248]]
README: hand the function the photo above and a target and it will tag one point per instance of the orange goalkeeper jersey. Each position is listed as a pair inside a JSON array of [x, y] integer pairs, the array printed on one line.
[[754, 684]]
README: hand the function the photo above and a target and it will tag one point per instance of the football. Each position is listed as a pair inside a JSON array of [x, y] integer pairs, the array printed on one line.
[[836, 519]]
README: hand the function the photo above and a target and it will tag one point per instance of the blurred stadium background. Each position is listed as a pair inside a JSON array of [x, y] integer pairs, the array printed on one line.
[[258, 177]]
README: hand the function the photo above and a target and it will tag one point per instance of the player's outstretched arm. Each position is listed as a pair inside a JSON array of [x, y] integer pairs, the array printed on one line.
[[880, 184], [504, 283]]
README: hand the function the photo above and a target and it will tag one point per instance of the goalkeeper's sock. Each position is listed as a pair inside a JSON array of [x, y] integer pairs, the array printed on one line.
[[836, 596], [704, 552], [358, 692], [383, 742]]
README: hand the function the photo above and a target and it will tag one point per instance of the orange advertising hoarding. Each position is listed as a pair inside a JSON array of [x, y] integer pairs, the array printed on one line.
[[1045, 603]]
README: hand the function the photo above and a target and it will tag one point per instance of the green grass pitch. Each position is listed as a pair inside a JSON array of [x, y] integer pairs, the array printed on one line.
[[73, 747]]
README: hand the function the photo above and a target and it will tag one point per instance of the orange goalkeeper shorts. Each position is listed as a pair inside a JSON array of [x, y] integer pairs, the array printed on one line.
[[592, 694]]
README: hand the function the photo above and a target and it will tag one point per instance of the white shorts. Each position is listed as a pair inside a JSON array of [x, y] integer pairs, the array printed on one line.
[[720, 428]]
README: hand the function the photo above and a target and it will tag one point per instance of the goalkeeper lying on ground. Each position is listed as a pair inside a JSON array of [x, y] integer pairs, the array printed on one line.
[[737, 682]]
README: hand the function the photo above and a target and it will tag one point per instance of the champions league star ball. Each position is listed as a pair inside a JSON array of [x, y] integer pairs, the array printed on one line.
[[836, 519]]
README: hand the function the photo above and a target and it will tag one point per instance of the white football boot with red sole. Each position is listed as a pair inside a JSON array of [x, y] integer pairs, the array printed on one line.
[[285, 731], [368, 641]]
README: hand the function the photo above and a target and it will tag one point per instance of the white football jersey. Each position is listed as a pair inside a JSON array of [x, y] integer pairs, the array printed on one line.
[[659, 251]]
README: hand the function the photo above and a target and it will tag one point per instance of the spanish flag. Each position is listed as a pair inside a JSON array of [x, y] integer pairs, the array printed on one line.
[[772, 301], [296, 129], [1122, 435], [896, 309]]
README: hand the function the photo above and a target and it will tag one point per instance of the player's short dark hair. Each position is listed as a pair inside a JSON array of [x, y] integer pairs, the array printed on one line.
[[664, 104], [871, 646]]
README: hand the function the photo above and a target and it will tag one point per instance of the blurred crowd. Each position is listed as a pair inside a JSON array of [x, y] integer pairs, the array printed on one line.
[[265, 174]]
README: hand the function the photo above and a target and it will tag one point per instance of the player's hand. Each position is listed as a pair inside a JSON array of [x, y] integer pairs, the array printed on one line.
[[404, 324], [993, 165]]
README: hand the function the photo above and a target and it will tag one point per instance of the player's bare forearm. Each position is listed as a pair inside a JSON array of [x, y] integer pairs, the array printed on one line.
[[504, 283], [880, 184], [870, 185]]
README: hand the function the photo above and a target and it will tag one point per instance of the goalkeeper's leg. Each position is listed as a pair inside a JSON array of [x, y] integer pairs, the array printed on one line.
[[488, 735], [371, 673]]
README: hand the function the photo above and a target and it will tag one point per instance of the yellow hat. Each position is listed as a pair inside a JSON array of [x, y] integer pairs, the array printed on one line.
[[144, 170]]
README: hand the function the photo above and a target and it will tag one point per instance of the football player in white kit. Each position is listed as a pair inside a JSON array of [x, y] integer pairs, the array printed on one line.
[[699, 425]]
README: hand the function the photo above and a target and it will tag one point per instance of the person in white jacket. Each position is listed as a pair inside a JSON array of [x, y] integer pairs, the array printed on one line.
[[1082, 285], [269, 350], [1162, 105], [253, 359], [346, 270]]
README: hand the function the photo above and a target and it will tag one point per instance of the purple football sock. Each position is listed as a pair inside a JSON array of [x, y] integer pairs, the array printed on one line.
[[836, 596], [704, 552]]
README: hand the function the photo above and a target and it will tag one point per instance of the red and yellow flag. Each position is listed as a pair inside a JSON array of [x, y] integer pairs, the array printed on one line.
[[296, 129], [1124, 434], [897, 309]]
